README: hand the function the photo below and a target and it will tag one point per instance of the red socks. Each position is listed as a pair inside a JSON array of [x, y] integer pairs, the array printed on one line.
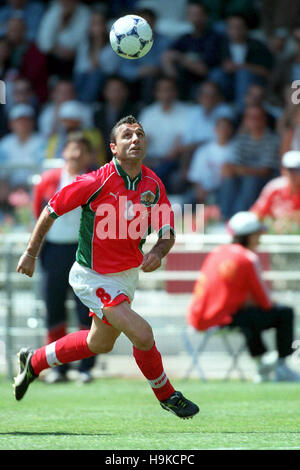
[[151, 366], [69, 348], [73, 347]]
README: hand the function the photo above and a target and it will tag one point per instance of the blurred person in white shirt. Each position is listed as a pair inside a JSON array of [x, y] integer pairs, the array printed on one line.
[[205, 171], [165, 124]]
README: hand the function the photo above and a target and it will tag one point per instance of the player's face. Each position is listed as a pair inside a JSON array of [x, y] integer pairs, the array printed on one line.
[[130, 142]]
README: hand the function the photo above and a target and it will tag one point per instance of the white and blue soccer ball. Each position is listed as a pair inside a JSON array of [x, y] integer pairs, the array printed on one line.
[[131, 37]]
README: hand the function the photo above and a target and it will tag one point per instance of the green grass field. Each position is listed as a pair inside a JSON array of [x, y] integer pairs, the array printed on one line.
[[123, 414]]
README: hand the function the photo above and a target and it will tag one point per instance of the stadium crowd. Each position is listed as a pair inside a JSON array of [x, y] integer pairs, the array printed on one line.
[[214, 96]]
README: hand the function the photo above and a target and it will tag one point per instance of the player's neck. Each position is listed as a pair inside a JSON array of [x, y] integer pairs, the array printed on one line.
[[132, 168]]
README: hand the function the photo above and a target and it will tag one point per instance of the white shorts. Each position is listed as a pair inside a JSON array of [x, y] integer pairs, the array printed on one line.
[[101, 290]]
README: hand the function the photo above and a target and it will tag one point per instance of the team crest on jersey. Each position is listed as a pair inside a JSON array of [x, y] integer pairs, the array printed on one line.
[[147, 198]]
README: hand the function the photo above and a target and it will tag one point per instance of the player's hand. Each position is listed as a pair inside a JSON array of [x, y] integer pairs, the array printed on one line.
[[151, 262], [26, 265]]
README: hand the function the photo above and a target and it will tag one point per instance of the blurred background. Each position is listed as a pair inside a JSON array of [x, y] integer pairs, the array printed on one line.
[[216, 100]]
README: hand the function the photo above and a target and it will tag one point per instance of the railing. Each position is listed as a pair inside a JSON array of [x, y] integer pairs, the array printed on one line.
[[284, 270]]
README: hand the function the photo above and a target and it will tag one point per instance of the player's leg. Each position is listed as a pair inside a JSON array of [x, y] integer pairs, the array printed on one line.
[[72, 347], [148, 358]]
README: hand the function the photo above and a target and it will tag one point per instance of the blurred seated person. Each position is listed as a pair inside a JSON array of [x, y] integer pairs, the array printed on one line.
[[290, 134], [95, 59], [278, 205], [287, 69], [22, 151], [143, 72], [205, 171], [256, 95], [256, 161], [164, 122], [48, 121], [59, 249], [114, 104], [245, 61], [26, 59], [63, 27], [200, 128], [243, 300], [30, 11], [71, 117], [192, 56], [4, 67], [20, 91]]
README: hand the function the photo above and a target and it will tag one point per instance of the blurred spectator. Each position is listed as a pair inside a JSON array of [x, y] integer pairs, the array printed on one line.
[[20, 91], [233, 272], [49, 121], [200, 127], [143, 72], [290, 137], [59, 249], [287, 69], [114, 105], [286, 120], [23, 150], [219, 10], [30, 11], [164, 122], [63, 27], [192, 56], [256, 161], [279, 202], [26, 59], [71, 115], [205, 171], [4, 57], [95, 59], [244, 61], [279, 14], [4, 66], [256, 95], [171, 16]]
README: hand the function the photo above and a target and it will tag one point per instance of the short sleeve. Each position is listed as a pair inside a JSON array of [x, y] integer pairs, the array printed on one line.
[[73, 195], [162, 215]]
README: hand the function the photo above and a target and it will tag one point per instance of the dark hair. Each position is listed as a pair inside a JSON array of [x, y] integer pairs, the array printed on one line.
[[79, 138], [241, 240], [125, 120]]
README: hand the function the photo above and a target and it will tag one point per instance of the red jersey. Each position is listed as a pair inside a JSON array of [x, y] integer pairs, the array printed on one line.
[[117, 215], [277, 201], [230, 276]]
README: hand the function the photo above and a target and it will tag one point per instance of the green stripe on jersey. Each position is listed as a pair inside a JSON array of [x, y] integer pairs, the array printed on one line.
[[84, 254]]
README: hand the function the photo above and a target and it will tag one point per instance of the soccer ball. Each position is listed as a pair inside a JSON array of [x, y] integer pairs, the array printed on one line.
[[131, 37]]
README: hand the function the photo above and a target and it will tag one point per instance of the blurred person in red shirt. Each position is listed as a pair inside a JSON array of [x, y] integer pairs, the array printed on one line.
[[243, 300], [58, 251], [279, 201]]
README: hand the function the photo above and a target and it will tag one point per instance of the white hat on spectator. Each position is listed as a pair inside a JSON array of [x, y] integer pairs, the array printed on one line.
[[291, 159], [245, 223], [71, 110], [21, 110]]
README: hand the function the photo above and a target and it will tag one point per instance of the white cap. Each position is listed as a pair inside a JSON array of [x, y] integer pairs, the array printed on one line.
[[291, 159], [21, 110], [71, 110], [245, 223]]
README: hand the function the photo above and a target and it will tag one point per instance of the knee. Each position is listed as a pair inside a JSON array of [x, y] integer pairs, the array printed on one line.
[[99, 347], [144, 340]]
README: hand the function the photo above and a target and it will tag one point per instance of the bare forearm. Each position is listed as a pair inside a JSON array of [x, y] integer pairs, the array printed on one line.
[[163, 245], [40, 230]]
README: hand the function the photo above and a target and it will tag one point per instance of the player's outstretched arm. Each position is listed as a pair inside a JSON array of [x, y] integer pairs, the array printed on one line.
[[26, 264], [152, 260]]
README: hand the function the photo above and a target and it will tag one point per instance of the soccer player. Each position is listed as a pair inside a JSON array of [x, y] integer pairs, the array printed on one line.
[[120, 203]]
